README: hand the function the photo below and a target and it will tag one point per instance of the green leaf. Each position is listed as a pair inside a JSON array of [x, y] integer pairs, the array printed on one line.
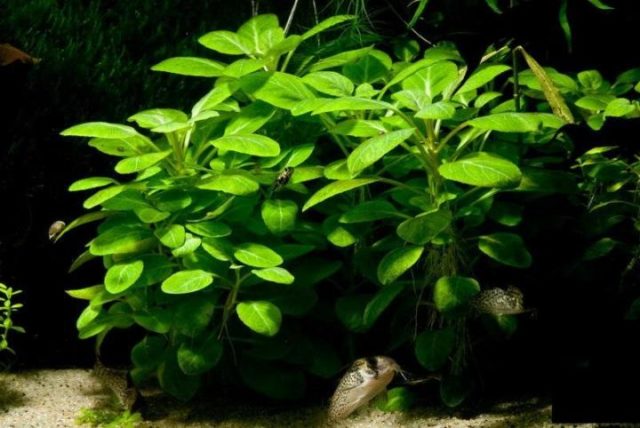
[[121, 240], [234, 184], [482, 169], [350, 311], [242, 67], [398, 399], [252, 30], [369, 211], [225, 42], [351, 103], [506, 248], [506, 213], [199, 357], [516, 122], [336, 188], [174, 381], [454, 390], [619, 107], [257, 255], [379, 303], [368, 69], [299, 154], [359, 128], [423, 228], [279, 89], [482, 76], [260, 316], [330, 83], [433, 79], [433, 348], [600, 248], [191, 244], [138, 163], [440, 110], [594, 102], [373, 149], [192, 316], [102, 196], [547, 181], [274, 274], [212, 99], [187, 281], [209, 229], [396, 262], [123, 147], [279, 215], [340, 59], [600, 5], [156, 268], [172, 236], [86, 293], [121, 276], [250, 144], [250, 119], [336, 233], [326, 24], [156, 117], [89, 314], [100, 130], [190, 66], [149, 352], [452, 293], [91, 183]]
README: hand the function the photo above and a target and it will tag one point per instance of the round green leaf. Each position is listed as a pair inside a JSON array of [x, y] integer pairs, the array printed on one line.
[[250, 144], [148, 353], [274, 274], [396, 262], [483, 170], [187, 281], [453, 292], [336, 188], [433, 347], [190, 66], [171, 236], [173, 380], [200, 356], [155, 319], [423, 228], [257, 255], [192, 316], [454, 389], [506, 248], [373, 149], [121, 276], [260, 316], [210, 229]]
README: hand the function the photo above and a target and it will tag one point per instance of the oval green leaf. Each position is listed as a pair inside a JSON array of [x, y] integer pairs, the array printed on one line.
[[373, 149], [121, 276], [275, 274], [396, 262], [187, 281], [433, 348], [506, 248], [190, 66], [482, 169], [250, 144], [260, 316], [451, 293], [333, 189], [279, 215], [257, 255], [423, 228]]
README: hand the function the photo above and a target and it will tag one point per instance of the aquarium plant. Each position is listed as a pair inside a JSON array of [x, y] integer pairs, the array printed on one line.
[[309, 196], [8, 307]]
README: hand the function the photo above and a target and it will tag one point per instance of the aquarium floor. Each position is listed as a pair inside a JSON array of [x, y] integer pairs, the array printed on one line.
[[53, 398]]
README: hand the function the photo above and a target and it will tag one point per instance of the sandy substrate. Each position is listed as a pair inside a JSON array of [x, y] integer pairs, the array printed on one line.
[[53, 398]]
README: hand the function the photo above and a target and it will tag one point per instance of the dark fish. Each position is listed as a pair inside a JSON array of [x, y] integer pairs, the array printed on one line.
[[283, 178], [365, 379], [56, 229], [10, 54]]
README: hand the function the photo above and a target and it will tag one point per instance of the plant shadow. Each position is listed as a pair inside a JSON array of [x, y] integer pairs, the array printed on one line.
[[10, 397]]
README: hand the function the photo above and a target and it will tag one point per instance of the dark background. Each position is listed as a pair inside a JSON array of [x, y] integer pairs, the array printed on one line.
[[95, 66]]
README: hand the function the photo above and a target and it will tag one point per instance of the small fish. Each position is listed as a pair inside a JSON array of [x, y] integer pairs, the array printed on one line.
[[118, 382], [283, 178], [496, 301], [56, 229], [10, 54], [365, 379]]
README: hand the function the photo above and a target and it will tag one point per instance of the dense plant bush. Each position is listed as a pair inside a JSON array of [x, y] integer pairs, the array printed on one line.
[[307, 200]]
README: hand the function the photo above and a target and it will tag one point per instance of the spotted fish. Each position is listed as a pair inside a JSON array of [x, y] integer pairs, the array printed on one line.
[[365, 379], [118, 383], [496, 301]]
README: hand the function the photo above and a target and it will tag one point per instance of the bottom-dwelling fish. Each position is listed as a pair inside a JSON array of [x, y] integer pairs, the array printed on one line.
[[365, 379]]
